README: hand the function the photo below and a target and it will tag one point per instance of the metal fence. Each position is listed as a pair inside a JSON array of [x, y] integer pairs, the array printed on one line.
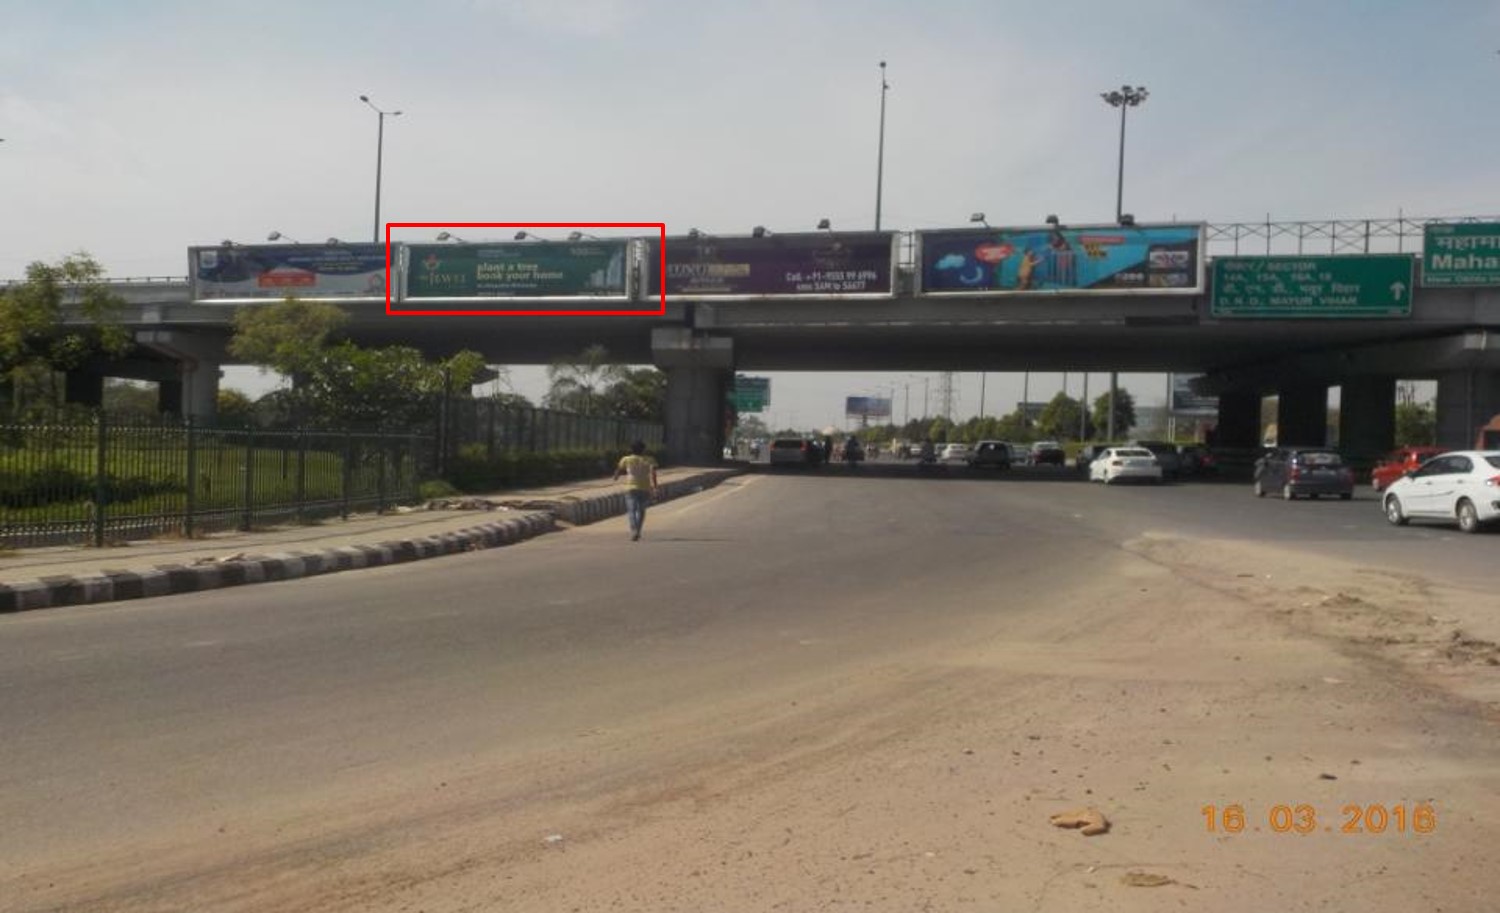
[[500, 427], [91, 482], [103, 481]]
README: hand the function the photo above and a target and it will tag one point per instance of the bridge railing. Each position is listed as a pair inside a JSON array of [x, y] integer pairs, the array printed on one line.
[[1268, 237]]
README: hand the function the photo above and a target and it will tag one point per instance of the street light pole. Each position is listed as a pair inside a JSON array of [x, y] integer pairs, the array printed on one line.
[[379, 157], [1124, 98], [880, 154]]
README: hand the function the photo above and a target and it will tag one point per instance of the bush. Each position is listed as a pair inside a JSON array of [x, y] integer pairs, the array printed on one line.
[[63, 484], [436, 488]]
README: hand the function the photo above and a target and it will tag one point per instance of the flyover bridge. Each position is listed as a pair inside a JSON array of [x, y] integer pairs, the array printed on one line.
[[1277, 307]]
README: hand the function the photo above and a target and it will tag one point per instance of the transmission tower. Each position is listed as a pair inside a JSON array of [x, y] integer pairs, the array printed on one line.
[[947, 394]]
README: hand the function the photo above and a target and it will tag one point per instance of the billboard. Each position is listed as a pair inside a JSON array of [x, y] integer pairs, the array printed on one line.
[[808, 265], [260, 272], [1461, 254], [516, 270], [1187, 401], [867, 407], [1145, 259]]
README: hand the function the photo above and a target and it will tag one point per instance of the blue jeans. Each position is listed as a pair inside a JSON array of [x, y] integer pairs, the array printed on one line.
[[635, 508]]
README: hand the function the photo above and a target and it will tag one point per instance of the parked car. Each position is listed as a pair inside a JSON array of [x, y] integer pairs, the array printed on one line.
[[1303, 471], [1048, 453], [1020, 454], [1462, 486], [1118, 463], [1166, 454], [1091, 452], [990, 454], [1398, 463], [1196, 460], [795, 451], [953, 452]]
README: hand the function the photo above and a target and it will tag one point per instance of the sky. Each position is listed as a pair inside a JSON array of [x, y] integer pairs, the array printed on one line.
[[133, 129]]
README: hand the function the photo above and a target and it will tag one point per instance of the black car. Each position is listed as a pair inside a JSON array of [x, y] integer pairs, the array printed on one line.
[[1303, 471], [993, 454]]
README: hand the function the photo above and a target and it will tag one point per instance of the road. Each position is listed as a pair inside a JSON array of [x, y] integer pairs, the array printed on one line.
[[799, 692]]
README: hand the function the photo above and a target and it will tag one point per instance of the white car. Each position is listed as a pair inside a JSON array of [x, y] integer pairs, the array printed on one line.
[[1462, 486], [1125, 463], [954, 452]]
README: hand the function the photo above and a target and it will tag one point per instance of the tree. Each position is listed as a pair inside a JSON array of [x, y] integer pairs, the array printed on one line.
[[130, 399], [1124, 412], [235, 409], [639, 393], [1416, 424], [752, 427], [1060, 417], [391, 386], [35, 342], [577, 383]]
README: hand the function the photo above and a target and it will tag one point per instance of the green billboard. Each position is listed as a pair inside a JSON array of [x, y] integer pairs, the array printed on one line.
[[1345, 286], [1461, 253], [538, 269]]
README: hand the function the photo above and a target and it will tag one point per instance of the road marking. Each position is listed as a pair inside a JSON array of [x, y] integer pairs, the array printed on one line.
[[722, 492]]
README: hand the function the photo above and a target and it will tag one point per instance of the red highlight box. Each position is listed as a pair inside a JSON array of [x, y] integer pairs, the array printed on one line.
[[661, 228]]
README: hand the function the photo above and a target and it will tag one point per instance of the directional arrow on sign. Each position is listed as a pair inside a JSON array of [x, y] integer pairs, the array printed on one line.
[[1396, 289]]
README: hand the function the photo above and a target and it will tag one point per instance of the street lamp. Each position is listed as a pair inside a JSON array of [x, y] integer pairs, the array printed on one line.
[[758, 231], [450, 236], [979, 217], [379, 155], [278, 236], [1125, 98], [526, 235], [825, 225], [580, 235], [880, 154]]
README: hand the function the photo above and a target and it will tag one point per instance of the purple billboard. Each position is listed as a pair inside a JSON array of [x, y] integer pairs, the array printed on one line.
[[810, 265]]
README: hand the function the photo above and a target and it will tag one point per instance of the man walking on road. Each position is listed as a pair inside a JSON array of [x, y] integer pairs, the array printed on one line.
[[640, 486]]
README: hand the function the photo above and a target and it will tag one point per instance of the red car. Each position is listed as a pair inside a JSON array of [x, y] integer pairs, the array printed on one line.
[[1398, 463]]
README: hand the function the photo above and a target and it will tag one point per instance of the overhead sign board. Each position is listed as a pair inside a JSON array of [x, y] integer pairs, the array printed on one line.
[[1341, 286], [807, 265], [1461, 254], [539, 270], [750, 394], [258, 272], [867, 406], [1114, 259]]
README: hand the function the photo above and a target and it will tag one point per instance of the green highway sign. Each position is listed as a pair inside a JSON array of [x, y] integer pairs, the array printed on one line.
[[538, 269], [1347, 286], [750, 394], [1461, 253]]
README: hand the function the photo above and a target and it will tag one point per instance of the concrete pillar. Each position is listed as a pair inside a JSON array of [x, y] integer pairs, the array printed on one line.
[[84, 387], [1239, 420], [1302, 415], [699, 370], [695, 415], [199, 358], [1466, 400], [1367, 416]]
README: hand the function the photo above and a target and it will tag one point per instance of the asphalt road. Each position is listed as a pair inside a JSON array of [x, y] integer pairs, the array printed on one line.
[[135, 728]]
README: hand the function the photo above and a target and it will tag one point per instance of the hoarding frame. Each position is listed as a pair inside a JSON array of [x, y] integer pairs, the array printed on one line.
[[895, 262], [661, 308], [1199, 279], [285, 292]]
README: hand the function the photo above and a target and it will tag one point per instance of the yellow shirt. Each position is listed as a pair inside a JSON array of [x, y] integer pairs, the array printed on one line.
[[638, 470]]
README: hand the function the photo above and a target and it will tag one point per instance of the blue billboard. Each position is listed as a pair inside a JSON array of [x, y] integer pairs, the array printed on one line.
[[257, 272], [1148, 259]]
